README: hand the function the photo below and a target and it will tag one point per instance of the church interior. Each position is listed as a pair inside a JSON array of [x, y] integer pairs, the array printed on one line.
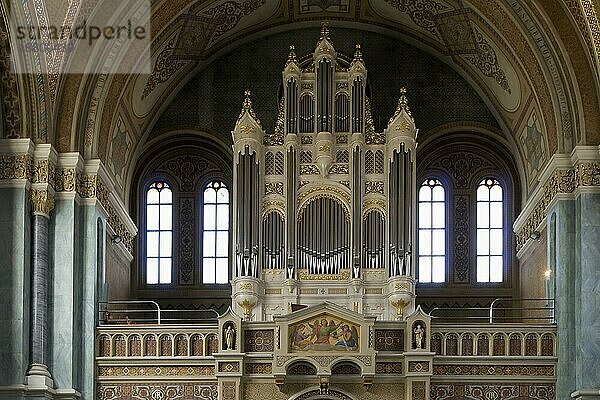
[[300, 200]]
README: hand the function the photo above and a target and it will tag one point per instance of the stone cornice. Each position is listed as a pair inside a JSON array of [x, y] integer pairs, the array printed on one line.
[[564, 174], [65, 174]]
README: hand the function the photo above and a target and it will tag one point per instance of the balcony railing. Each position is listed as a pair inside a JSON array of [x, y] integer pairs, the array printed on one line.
[[147, 312], [532, 310]]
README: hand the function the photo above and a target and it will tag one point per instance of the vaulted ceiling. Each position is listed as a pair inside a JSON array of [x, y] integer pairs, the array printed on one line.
[[525, 71]]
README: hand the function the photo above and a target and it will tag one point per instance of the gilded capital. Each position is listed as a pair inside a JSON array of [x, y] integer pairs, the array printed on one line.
[[42, 202]]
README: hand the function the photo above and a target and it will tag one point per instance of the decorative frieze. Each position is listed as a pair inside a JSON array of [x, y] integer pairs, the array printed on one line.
[[561, 181], [156, 370], [258, 368], [65, 180], [388, 368], [274, 188], [158, 390], [373, 187], [309, 169], [494, 370], [498, 391], [339, 169], [15, 167], [418, 366], [229, 367]]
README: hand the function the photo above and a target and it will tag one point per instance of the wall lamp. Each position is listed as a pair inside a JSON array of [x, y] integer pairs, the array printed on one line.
[[116, 240], [535, 235]]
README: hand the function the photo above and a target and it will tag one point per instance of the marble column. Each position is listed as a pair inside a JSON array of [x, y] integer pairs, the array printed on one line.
[[564, 215], [15, 231], [587, 305], [576, 258], [38, 375]]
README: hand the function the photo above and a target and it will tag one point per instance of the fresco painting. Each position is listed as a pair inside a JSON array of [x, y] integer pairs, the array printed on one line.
[[323, 333]]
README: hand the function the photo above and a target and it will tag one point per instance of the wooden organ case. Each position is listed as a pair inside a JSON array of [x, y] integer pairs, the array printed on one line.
[[324, 206]]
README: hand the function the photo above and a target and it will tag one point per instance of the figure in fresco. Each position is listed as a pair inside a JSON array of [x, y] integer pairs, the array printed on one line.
[[316, 328], [348, 337], [323, 334], [300, 338], [326, 331]]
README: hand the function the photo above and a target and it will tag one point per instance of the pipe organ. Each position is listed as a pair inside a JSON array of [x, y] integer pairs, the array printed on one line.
[[324, 206]]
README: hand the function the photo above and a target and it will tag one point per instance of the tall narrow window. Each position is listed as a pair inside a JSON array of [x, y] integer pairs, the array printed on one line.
[[489, 231], [215, 234], [432, 232], [159, 233]]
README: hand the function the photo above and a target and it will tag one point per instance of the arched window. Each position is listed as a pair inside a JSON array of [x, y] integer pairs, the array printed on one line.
[[159, 233], [215, 233], [432, 231], [489, 231]]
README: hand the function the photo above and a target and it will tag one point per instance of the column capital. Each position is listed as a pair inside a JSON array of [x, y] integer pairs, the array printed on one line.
[[42, 202]]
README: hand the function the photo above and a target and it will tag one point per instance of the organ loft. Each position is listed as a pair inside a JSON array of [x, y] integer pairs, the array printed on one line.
[[324, 201]]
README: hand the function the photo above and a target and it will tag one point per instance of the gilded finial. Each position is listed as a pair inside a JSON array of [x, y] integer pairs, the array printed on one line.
[[402, 106], [247, 106], [324, 30], [403, 101], [357, 53], [292, 56]]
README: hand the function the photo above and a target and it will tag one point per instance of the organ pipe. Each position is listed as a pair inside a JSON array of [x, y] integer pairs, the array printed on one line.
[[331, 232]]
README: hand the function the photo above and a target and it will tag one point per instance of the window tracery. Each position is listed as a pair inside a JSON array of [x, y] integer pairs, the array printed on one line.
[[215, 233], [159, 233], [432, 231], [489, 231]]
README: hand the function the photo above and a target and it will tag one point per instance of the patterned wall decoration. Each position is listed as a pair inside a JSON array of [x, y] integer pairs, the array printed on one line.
[[481, 391], [418, 390], [418, 366], [461, 165], [120, 146], [164, 68], [486, 60], [561, 181], [494, 370], [11, 115], [373, 187], [315, 393], [389, 340], [421, 12], [258, 340], [187, 169], [258, 368], [274, 188], [157, 371], [316, 6], [535, 148], [186, 241], [229, 390], [203, 27], [462, 238], [457, 32], [388, 368], [158, 390], [229, 367]]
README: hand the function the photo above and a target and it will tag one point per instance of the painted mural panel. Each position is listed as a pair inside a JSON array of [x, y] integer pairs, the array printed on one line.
[[323, 332]]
